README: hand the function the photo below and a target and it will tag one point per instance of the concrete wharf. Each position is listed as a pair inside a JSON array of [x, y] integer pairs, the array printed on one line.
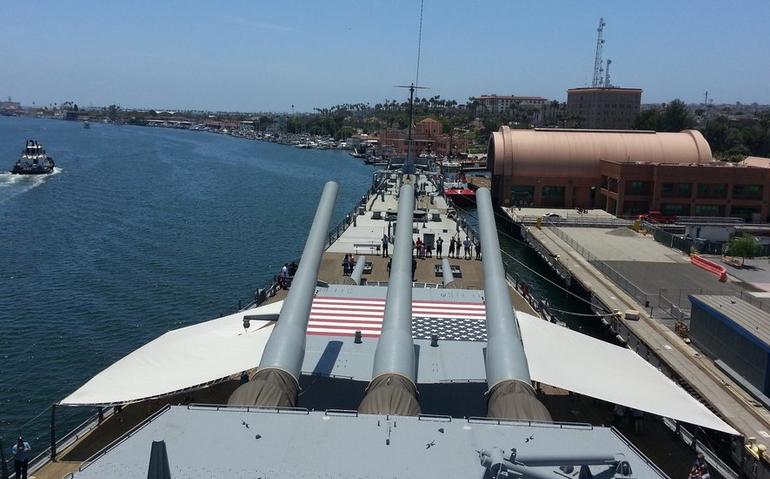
[[609, 263]]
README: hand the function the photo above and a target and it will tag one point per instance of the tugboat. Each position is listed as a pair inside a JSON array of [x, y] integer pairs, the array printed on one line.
[[86, 125], [455, 184], [33, 161]]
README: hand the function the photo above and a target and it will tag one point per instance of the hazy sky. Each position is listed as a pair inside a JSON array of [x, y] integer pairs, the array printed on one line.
[[266, 56]]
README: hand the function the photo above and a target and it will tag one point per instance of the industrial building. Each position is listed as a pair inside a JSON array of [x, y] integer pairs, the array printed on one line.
[[736, 334], [624, 173], [604, 107]]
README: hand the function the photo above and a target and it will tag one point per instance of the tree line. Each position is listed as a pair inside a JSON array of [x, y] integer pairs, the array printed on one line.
[[730, 140]]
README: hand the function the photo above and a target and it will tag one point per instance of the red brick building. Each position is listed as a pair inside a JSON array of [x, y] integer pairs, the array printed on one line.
[[625, 173], [711, 189], [428, 137]]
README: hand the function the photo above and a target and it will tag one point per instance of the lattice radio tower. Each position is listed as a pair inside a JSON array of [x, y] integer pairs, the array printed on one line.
[[598, 66]]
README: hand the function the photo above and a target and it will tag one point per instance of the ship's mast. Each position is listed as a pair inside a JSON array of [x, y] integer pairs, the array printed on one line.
[[408, 167]]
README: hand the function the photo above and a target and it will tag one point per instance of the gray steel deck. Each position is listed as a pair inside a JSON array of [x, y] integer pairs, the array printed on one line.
[[206, 442]]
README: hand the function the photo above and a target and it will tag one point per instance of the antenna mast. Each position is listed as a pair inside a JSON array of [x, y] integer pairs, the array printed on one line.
[[607, 83], [598, 68]]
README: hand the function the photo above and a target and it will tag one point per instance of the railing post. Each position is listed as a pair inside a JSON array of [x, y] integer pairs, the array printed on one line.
[[3, 465], [53, 432]]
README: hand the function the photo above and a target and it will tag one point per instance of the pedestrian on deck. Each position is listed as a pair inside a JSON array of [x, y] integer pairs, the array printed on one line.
[[467, 248], [699, 470], [618, 415], [20, 452], [452, 244], [420, 250], [385, 246], [390, 261], [429, 249], [439, 247], [293, 268], [346, 265], [637, 417], [477, 247]]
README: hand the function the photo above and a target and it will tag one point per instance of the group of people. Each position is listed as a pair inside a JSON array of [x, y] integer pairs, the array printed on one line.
[[348, 264], [424, 249], [466, 247], [283, 279]]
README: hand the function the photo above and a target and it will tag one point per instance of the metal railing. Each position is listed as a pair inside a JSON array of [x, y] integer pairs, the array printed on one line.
[[570, 219], [665, 304]]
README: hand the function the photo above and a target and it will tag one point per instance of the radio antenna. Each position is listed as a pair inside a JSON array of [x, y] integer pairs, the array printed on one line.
[[419, 46]]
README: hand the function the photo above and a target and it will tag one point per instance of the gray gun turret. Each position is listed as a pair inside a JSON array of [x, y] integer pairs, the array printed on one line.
[[393, 389], [277, 380], [510, 394]]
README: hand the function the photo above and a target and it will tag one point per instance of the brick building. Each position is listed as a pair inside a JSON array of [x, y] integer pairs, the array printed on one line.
[[711, 189], [608, 108], [428, 137], [625, 173]]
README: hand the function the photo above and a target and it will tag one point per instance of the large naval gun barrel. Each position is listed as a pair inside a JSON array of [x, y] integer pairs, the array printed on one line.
[[393, 389], [446, 273], [510, 394], [277, 380]]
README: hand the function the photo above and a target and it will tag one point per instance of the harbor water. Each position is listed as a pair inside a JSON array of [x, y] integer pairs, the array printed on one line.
[[143, 230]]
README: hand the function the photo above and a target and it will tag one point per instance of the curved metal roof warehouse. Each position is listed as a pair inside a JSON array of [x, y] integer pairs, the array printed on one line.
[[576, 153]]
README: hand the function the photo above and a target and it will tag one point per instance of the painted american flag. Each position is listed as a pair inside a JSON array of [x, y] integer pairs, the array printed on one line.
[[462, 321]]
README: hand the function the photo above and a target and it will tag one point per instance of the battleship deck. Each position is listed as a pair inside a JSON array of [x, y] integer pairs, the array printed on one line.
[[435, 220], [649, 336]]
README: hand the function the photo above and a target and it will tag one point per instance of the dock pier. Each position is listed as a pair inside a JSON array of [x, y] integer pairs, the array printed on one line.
[[626, 274]]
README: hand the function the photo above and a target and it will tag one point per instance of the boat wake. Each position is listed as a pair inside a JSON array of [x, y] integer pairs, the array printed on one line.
[[13, 185]]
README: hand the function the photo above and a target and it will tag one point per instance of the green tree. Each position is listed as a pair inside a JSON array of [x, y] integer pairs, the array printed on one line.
[[112, 112], [745, 246], [648, 120], [676, 117]]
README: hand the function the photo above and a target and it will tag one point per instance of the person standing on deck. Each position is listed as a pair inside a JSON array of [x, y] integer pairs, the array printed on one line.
[[477, 246], [346, 265], [439, 247], [20, 452], [700, 468], [452, 244], [467, 248], [385, 246]]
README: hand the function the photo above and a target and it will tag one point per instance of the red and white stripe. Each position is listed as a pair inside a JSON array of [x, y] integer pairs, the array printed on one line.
[[331, 316]]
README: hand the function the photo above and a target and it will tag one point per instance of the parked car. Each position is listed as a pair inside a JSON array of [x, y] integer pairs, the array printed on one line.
[[553, 217]]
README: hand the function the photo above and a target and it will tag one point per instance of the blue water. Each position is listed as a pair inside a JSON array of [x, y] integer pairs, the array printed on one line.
[[139, 231]]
